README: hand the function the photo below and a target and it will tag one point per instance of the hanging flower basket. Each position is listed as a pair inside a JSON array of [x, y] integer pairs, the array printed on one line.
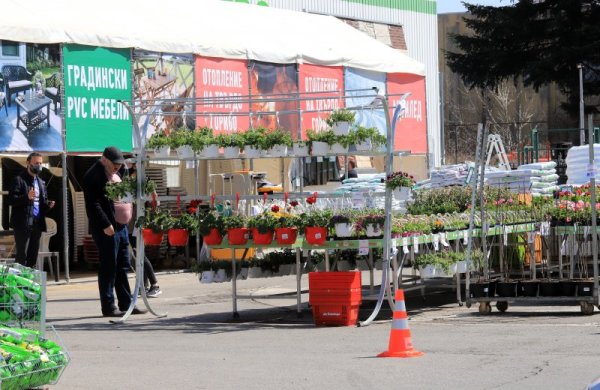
[[231, 152], [162, 151], [341, 128], [185, 151], [251, 152], [210, 151], [374, 230], [262, 238], [319, 148], [213, 238], [237, 236], [178, 237], [151, 238], [286, 236], [315, 235]]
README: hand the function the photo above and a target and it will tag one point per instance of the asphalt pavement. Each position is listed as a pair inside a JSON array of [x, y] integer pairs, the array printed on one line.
[[199, 345]]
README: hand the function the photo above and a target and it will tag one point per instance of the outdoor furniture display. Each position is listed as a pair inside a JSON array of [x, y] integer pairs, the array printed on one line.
[[32, 115], [54, 89], [17, 79], [3, 96]]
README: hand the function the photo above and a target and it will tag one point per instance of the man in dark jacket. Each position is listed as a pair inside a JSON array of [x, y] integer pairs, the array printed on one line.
[[110, 237], [29, 201]]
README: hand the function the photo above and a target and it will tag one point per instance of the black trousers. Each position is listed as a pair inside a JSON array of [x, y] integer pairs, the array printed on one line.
[[27, 242]]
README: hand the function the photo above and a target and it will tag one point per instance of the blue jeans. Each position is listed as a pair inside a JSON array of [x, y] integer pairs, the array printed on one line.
[[114, 265]]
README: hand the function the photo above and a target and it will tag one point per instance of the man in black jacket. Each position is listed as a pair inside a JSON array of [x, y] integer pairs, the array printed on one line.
[[29, 201], [111, 237]]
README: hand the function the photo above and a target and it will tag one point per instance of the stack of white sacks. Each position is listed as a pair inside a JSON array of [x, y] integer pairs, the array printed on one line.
[[449, 175], [537, 178], [578, 161]]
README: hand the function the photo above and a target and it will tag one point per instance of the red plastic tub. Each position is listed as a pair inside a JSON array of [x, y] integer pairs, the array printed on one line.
[[335, 297], [213, 238], [262, 238]]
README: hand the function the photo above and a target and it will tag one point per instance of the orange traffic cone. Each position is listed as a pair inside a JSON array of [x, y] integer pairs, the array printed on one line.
[[400, 341]]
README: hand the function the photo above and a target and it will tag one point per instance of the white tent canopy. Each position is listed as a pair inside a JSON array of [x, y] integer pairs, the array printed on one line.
[[212, 28]]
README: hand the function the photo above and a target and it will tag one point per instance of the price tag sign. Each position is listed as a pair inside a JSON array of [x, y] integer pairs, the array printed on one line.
[[304, 252], [416, 243], [363, 247], [505, 235], [443, 240], [307, 160], [486, 227], [465, 237], [405, 245], [358, 200], [332, 158], [189, 164], [320, 159], [545, 228], [436, 242], [591, 171]]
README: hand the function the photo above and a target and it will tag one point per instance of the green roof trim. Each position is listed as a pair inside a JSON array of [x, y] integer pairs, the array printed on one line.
[[422, 6]]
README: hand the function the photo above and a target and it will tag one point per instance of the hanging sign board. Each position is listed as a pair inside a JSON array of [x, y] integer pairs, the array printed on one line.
[[95, 78]]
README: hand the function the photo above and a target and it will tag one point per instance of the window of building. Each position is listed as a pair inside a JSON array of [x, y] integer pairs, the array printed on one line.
[[10, 48]]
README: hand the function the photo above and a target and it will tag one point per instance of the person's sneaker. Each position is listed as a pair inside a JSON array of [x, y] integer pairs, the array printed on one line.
[[153, 292]]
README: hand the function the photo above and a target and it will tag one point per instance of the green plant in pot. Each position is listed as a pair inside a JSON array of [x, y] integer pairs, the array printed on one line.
[[153, 219], [341, 115], [234, 222], [276, 137], [117, 191], [326, 136], [230, 140], [201, 138], [158, 140], [210, 220], [264, 222], [255, 138], [399, 179], [315, 218], [185, 221]]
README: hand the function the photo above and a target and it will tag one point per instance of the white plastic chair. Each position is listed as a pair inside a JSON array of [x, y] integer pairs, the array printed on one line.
[[44, 252]]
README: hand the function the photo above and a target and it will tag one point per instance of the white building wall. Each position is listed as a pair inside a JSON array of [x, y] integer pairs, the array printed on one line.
[[419, 23]]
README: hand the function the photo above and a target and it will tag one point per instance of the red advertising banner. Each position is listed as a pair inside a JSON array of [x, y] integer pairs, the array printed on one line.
[[226, 79], [317, 81], [274, 90], [411, 127]]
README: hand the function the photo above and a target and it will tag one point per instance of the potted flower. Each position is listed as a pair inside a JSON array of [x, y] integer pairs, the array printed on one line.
[[204, 143], [206, 270], [122, 191], [286, 230], [340, 144], [315, 223], [342, 223], [180, 228], [254, 140], [320, 141], [160, 143], [263, 227], [401, 183], [276, 142], [181, 141], [373, 224], [126, 189], [153, 223], [340, 121], [231, 144], [210, 227], [367, 138], [300, 148], [237, 233]]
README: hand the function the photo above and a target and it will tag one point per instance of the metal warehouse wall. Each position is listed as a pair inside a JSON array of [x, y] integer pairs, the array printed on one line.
[[419, 21]]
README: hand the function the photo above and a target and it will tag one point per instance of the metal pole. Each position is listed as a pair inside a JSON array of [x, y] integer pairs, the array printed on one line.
[[442, 122], [385, 286], [593, 204], [484, 226], [581, 105], [63, 158], [472, 213]]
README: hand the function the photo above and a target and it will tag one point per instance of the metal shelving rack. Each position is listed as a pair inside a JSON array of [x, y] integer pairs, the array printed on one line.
[[140, 109]]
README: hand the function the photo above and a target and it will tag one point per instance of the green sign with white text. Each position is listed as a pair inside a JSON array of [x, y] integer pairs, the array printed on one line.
[[95, 78]]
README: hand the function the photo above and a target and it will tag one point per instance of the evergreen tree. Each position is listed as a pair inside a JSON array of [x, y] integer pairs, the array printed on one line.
[[537, 41]]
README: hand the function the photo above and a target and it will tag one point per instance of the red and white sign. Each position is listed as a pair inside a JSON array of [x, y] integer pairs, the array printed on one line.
[[226, 79], [411, 127], [325, 85]]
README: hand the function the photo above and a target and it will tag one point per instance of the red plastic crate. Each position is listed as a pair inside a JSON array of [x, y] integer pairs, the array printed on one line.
[[335, 315], [335, 297]]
